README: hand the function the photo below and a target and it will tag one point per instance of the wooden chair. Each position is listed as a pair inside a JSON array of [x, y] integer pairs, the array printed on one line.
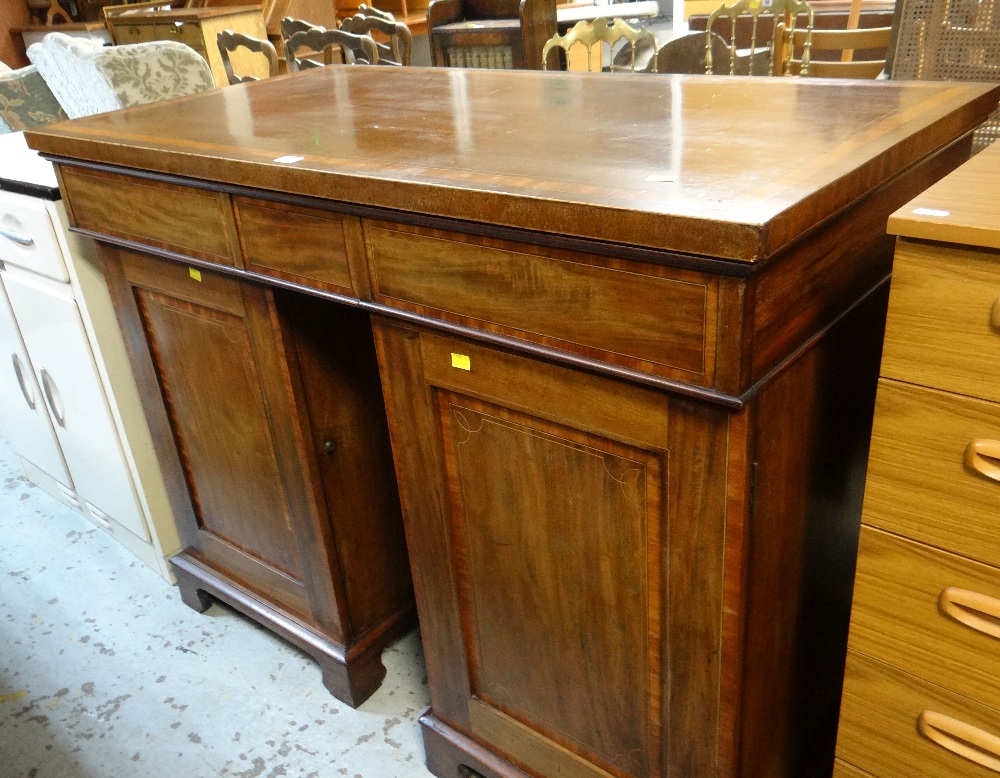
[[687, 54], [490, 33], [230, 44], [598, 33], [356, 49], [945, 40], [761, 59], [871, 39], [396, 51]]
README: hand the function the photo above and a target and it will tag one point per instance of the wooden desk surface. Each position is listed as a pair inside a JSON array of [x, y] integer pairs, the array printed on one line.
[[718, 166], [960, 208]]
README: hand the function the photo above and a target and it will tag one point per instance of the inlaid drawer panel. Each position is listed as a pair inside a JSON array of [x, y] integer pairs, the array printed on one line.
[[328, 247], [928, 612], [932, 472], [193, 222], [943, 328], [893, 724], [651, 318]]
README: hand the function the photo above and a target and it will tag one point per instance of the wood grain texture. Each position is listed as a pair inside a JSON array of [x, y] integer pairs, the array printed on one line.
[[192, 221], [878, 725], [969, 218], [918, 483], [12, 16], [312, 247], [842, 769], [941, 331], [401, 146], [612, 310], [898, 617]]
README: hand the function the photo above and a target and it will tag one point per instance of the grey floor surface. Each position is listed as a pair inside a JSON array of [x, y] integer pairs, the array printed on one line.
[[104, 673]]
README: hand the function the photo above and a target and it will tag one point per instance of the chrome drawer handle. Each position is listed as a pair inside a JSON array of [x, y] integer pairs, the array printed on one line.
[[960, 738], [18, 237], [19, 372], [981, 455], [53, 397], [977, 611]]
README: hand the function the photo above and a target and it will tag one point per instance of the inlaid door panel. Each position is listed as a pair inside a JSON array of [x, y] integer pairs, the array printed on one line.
[[571, 624]]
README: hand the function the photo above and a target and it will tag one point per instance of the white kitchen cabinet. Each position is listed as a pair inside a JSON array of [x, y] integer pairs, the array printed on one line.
[[68, 402]]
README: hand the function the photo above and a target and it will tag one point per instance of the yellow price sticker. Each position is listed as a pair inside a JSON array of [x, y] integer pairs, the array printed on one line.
[[461, 361], [195, 274]]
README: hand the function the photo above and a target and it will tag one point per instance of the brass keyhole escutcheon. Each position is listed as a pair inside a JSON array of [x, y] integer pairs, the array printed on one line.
[[329, 446]]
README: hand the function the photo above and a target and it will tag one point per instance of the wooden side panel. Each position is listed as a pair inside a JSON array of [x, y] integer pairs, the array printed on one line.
[[191, 221], [943, 328], [614, 310], [812, 425]]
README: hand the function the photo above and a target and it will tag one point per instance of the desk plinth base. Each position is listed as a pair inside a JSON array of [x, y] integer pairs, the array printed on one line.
[[351, 674], [450, 754]]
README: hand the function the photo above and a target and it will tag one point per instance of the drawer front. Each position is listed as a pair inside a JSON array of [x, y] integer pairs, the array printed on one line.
[[190, 221], [893, 724], [28, 237], [312, 247], [134, 32], [925, 478], [930, 613], [943, 328], [183, 32], [650, 318]]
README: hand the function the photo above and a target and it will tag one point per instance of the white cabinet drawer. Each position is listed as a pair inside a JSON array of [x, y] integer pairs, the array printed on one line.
[[28, 237]]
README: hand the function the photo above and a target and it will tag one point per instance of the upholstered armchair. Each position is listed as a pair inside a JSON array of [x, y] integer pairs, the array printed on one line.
[[87, 78], [490, 33], [26, 101]]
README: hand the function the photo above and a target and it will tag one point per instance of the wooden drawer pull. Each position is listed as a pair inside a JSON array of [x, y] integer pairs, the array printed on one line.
[[981, 455], [960, 738], [975, 610]]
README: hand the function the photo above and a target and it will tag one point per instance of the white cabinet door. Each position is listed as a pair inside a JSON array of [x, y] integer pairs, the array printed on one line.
[[23, 416], [64, 365]]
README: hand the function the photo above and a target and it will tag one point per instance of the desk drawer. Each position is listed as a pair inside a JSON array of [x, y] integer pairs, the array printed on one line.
[[925, 479], [28, 237], [655, 319], [190, 221], [885, 713], [930, 613], [183, 32], [312, 247], [943, 328]]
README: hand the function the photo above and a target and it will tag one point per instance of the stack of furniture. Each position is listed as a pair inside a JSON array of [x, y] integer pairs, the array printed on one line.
[[70, 407], [628, 391], [921, 695]]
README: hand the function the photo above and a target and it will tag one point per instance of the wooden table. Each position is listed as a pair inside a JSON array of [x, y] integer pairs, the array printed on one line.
[[923, 669], [628, 379]]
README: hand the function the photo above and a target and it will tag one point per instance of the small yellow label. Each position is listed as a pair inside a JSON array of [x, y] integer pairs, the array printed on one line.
[[195, 274], [461, 361]]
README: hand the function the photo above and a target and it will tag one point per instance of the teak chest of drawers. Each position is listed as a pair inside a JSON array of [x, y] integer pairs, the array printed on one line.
[[922, 694], [628, 381]]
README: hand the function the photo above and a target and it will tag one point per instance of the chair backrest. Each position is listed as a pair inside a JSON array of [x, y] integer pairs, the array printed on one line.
[[357, 49], [687, 54], [870, 39], [396, 51], [230, 43], [290, 26], [762, 58], [598, 32], [26, 102], [370, 10], [947, 40]]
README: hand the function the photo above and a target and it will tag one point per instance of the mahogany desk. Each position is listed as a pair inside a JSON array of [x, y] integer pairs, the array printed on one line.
[[628, 331]]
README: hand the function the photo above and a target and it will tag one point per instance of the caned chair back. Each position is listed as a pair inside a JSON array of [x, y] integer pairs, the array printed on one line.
[[871, 39], [399, 40], [765, 55], [599, 32], [230, 44], [357, 49]]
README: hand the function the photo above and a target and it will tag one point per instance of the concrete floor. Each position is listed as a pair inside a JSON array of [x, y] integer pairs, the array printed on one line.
[[104, 673]]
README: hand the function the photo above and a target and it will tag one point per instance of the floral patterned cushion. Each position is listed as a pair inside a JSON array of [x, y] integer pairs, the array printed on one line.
[[143, 73], [26, 102]]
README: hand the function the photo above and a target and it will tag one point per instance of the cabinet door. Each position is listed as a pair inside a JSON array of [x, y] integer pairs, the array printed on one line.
[[233, 451], [567, 535], [70, 385], [25, 420]]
